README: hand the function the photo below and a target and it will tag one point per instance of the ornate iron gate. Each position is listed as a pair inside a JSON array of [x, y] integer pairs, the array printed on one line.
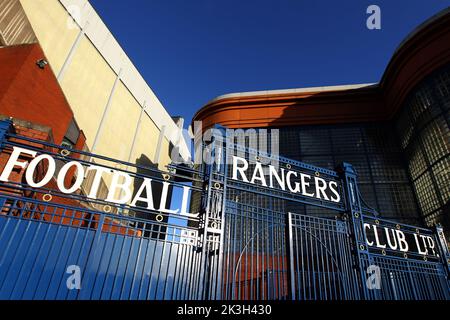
[[260, 251], [121, 251], [242, 244], [321, 259]]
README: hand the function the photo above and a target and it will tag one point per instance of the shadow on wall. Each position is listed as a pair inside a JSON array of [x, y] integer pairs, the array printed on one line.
[[154, 229]]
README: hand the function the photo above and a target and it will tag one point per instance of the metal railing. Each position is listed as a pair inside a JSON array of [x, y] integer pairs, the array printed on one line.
[[243, 244]]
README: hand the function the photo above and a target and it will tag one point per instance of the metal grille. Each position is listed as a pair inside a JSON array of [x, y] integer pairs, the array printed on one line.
[[321, 260], [255, 260], [408, 280], [269, 254], [119, 255], [118, 261], [242, 245]]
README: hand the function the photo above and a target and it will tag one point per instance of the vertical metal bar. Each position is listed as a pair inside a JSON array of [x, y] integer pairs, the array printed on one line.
[[127, 264], [301, 282], [58, 256], [204, 265], [88, 276], [257, 259], [138, 257], [241, 249], [160, 267], [252, 257], [103, 256], [354, 209], [180, 274], [330, 264], [166, 278], [284, 259], [87, 231], [28, 253], [188, 264], [228, 239], [234, 256], [246, 296], [322, 264], [223, 217], [117, 263], [291, 256], [155, 246], [143, 272]]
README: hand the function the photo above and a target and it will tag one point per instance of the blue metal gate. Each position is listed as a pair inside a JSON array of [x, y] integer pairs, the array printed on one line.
[[261, 251], [321, 259], [246, 242], [38, 248], [121, 252]]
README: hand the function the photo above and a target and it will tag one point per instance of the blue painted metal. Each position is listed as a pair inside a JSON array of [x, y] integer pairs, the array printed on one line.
[[402, 278], [321, 259], [38, 251], [244, 245]]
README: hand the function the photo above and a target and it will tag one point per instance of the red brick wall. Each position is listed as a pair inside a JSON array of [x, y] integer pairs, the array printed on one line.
[[33, 98], [30, 93]]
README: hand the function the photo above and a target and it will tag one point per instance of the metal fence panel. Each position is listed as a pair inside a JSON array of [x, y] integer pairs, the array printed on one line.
[[322, 265], [37, 252], [244, 244]]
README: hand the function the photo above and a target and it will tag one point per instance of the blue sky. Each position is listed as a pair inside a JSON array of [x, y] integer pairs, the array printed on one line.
[[190, 51]]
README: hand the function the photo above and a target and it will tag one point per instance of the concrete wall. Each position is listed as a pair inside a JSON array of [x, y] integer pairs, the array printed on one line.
[[104, 89]]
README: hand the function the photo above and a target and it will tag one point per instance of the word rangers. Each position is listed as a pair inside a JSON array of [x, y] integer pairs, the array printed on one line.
[[293, 181]]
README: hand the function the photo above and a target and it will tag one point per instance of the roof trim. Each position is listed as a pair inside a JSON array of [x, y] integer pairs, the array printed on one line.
[[263, 93], [424, 50], [109, 48]]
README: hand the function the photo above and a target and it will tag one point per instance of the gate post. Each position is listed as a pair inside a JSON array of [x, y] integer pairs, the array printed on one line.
[[362, 257], [291, 257], [212, 223], [203, 235], [444, 250]]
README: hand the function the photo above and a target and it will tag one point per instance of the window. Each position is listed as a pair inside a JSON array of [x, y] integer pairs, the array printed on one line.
[[427, 144]]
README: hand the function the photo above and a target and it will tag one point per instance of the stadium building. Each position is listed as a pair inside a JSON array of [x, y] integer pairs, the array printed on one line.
[[93, 207], [395, 132]]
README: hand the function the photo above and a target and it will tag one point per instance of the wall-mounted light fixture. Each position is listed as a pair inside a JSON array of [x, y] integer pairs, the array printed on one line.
[[41, 63]]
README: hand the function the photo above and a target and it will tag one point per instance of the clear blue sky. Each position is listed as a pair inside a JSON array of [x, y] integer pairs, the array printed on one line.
[[190, 51]]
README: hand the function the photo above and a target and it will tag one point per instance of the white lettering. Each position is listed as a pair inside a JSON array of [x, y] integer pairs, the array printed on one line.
[[147, 187], [241, 170], [388, 238], [402, 241], [377, 239], [97, 179], [117, 185], [288, 178], [32, 167], [305, 184], [334, 189], [12, 162], [62, 175], [320, 188], [367, 227], [273, 173], [258, 174]]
